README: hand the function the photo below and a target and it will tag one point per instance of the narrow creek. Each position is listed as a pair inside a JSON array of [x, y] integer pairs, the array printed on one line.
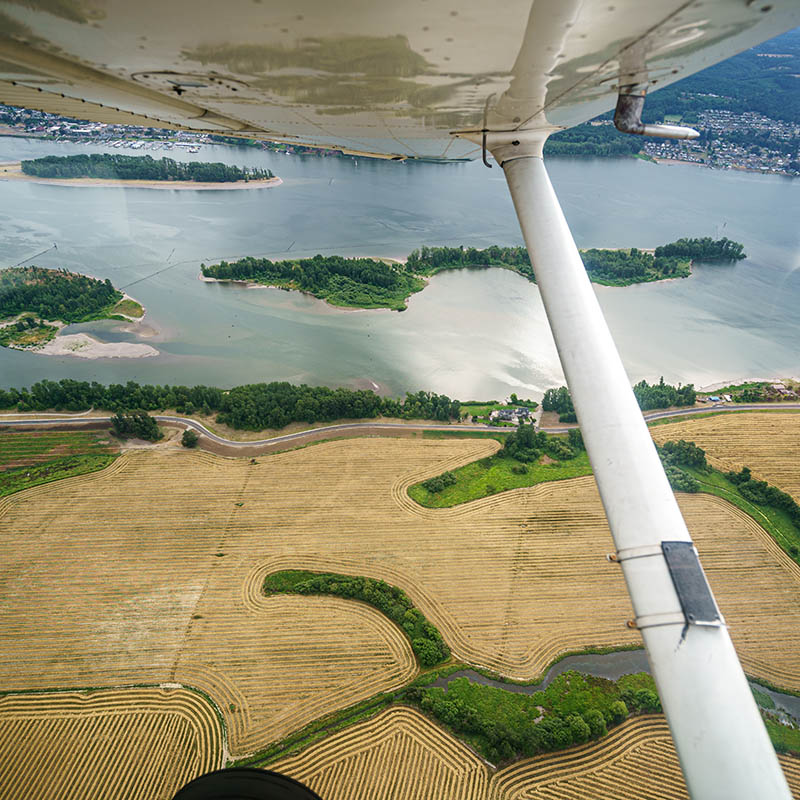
[[611, 666]]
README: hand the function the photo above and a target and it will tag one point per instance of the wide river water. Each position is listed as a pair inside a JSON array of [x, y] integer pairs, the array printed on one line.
[[475, 334]]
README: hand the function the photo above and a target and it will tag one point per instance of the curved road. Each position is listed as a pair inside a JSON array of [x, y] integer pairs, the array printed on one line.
[[77, 421]]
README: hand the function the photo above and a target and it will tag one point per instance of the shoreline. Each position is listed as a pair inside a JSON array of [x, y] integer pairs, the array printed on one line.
[[83, 345], [11, 171], [672, 162], [247, 284]]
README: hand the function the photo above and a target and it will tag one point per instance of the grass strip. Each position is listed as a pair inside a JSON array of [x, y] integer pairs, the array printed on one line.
[[495, 474]]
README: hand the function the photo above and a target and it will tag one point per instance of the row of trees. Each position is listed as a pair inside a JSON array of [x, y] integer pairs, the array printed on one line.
[[54, 294], [504, 726], [705, 249], [254, 406], [426, 641], [121, 167], [675, 455], [649, 396]]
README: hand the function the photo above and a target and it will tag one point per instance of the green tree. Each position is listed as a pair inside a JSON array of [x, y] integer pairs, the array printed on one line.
[[189, 438]]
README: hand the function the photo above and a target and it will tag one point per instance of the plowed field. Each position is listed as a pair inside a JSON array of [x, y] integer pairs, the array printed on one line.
[[401, 754], [150, 571], [767, 442], [117, 743]]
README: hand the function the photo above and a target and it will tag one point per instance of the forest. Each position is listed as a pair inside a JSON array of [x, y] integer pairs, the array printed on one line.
[[128, 168], [54, 294], [357, 282], [253, 407]]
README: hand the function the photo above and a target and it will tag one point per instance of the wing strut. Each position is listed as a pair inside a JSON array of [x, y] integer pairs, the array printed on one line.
[[722, 744]]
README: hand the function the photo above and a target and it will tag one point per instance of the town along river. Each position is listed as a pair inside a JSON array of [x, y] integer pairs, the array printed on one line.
[[473, 334]]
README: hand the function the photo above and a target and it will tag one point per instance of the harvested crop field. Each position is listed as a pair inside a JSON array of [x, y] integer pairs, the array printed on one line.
[[152, 570], [401, 754], [116, 743], [397, 755], [767, 442]]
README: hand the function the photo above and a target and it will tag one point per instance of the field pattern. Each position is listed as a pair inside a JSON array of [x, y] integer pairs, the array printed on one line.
[[767, 442], [395, 756], [401, 754], [27, 449], [117, 743], [151, 571]]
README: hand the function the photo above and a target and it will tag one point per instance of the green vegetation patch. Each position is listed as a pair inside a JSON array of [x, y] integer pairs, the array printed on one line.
[[763, 699], [527, 458], [497, 474], [19, 478], [27, 332], [128, 307], [785, 738], [426, 641], [503, 725], [36, 457], [35, 447]]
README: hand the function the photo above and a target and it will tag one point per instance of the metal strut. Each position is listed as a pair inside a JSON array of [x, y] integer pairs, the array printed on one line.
[[721, 741]]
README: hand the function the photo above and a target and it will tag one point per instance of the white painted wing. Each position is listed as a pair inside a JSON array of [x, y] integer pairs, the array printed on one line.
[[366, 75]]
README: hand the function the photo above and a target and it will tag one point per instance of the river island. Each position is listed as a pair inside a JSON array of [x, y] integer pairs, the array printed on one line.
[[385, 283], [36, 304], [142, 172]]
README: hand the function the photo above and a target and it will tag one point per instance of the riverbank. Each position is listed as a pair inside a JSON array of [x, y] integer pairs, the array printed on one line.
[[46, 337], [12, 171]]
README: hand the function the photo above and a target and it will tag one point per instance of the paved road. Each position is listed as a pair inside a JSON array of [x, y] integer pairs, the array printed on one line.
[[78, 421]]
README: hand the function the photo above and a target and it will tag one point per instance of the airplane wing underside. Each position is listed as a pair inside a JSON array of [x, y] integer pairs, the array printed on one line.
[[394, 79]]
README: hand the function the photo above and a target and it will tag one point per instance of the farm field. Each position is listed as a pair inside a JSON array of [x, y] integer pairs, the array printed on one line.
[[117, 743], [32, 458], [141, 577], [767, 442], [401, 754]]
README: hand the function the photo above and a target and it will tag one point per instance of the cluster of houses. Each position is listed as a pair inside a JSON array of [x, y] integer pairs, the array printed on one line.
[[782, 390], [512, 415], [731, 152]]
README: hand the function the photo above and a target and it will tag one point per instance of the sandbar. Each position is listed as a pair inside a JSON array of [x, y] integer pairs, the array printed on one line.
[[84, 346]]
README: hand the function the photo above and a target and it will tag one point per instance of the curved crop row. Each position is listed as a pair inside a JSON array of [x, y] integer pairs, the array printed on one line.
[[401, 754], [118, 743]]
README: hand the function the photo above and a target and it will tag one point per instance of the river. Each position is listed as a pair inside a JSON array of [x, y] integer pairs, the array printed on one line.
[[475, 334]]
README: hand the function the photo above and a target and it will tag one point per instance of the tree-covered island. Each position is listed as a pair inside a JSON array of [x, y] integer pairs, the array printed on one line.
[[375, 283], [110, 166], [32, 297]]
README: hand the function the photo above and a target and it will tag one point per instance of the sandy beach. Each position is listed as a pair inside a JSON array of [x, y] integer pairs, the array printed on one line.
[[12, 171]]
